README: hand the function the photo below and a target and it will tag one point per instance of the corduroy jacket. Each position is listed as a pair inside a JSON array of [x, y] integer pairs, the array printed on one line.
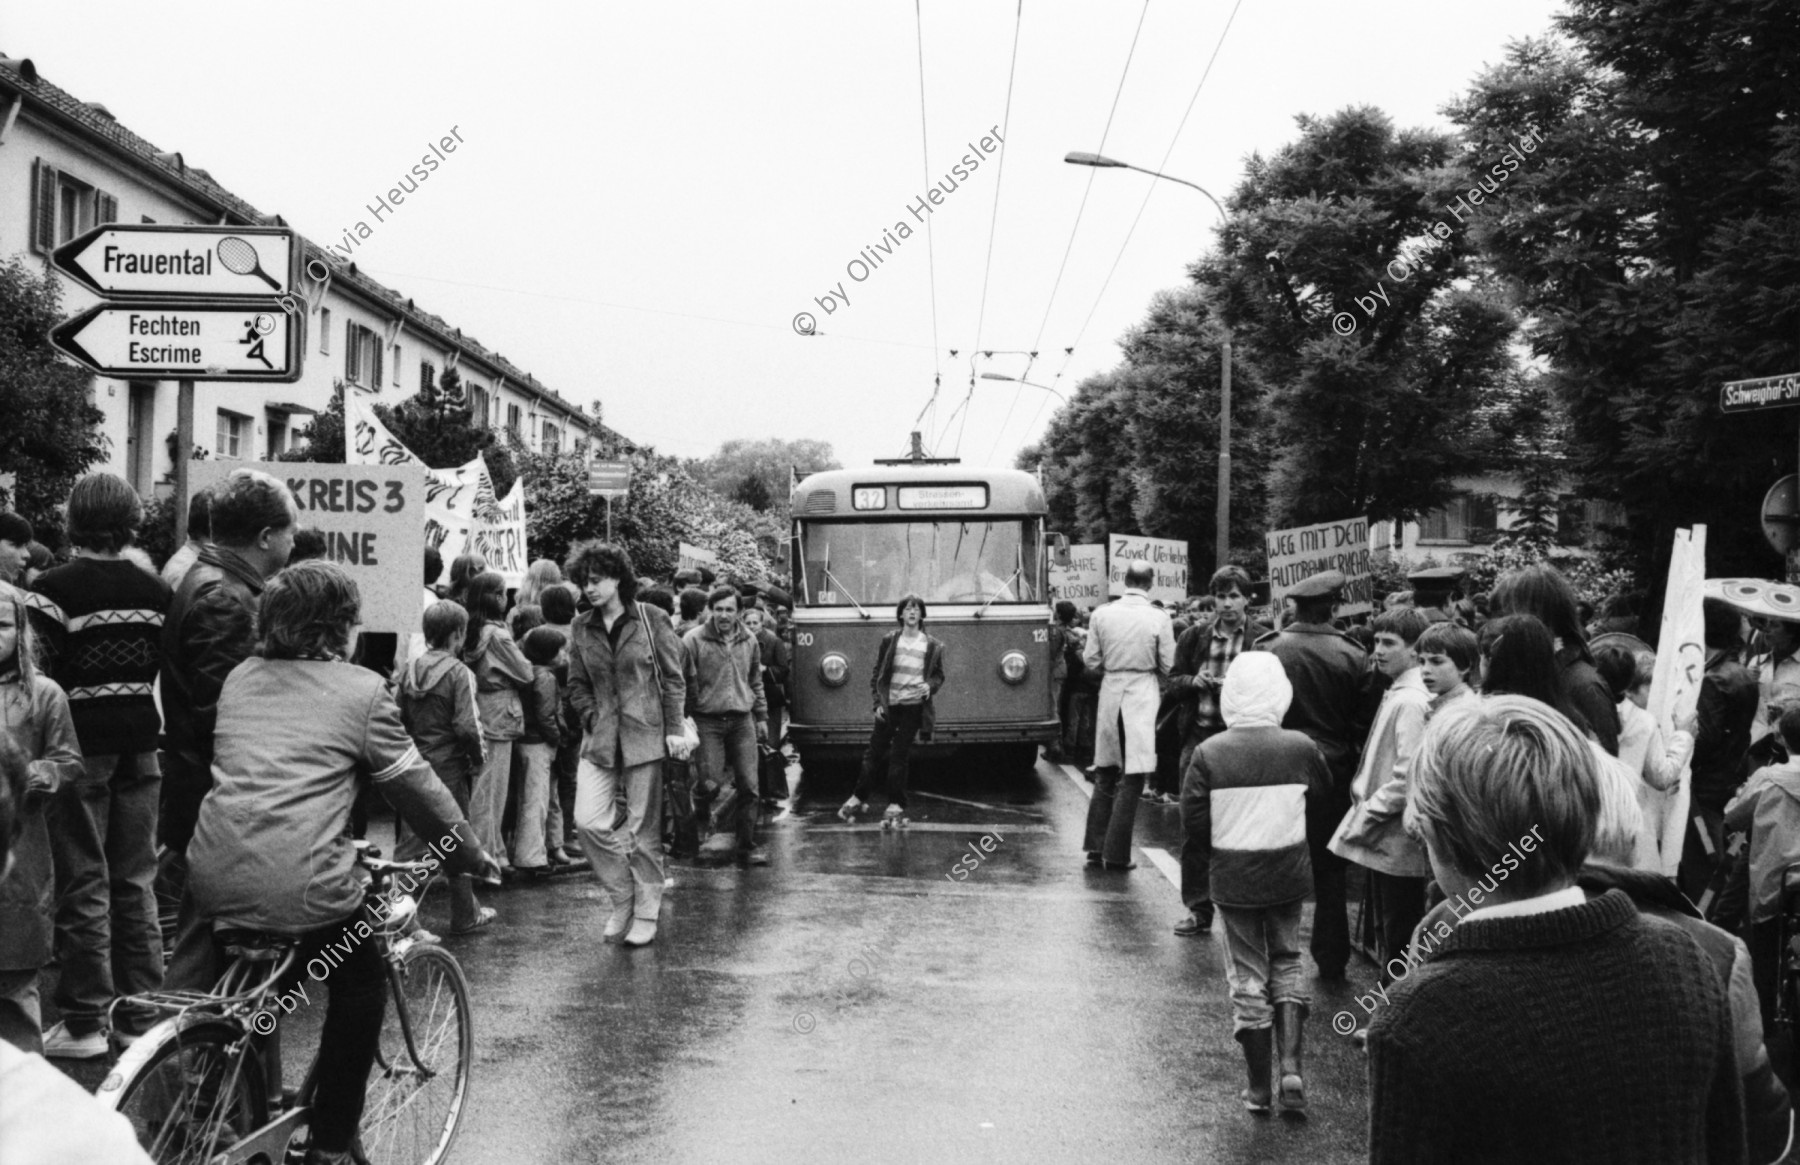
[[625, 716]]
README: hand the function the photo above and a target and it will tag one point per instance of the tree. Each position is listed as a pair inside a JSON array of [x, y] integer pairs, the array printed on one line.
[[436, 425], [1351, 291], [1654, 240], [51, 434], [757, 473]]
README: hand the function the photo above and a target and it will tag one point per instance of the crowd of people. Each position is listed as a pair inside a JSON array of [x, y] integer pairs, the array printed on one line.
[[216, 734], [1543, 989]]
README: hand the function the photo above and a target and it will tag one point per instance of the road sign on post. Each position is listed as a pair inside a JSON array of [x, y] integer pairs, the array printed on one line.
[[609, 479], [152, 261], [256, 341]]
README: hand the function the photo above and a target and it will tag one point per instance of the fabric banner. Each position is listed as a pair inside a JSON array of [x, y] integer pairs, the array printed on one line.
[[1083, 581], [1675, 688], [1304, 551], [459, 503], [694, 557], [1168, 556]]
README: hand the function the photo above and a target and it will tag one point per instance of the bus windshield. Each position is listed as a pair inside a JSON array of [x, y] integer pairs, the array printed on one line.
[[948, 561]]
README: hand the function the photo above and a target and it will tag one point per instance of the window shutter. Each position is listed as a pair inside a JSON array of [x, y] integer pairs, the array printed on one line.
[[325, 331], [43, 230], [350, 351], [375, 350], [106, 208], [397, 365]]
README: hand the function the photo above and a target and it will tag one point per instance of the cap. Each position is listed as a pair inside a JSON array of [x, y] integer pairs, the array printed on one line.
[[1436, 578], [1317, 586]]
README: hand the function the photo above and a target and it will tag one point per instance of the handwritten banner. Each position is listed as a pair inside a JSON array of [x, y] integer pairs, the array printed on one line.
[[1675, 684], [1167, 555], [1303, 551], [372, 517], [1083, 581]]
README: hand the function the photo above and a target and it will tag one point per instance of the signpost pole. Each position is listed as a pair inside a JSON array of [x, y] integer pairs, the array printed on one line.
[[184, 456], [609, 536]]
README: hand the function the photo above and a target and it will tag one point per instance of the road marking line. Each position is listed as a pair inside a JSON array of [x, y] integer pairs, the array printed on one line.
[[979, 804], [1171, 869], [1074, 774]]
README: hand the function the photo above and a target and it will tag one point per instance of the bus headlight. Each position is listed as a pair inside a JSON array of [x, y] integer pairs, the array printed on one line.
[[1013, 667], [834, 669]]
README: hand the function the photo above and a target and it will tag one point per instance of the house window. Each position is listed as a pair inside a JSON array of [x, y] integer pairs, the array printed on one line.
[[478, 405], [396, 366], [427, 375], [1464, 519], [234, 435], [552, 439], [325, 330], [64, 207], [512, 419], [277, 424], [362, 356], [140, 437]]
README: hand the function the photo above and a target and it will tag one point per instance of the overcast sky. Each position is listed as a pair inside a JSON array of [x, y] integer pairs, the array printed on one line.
[[648, 194]]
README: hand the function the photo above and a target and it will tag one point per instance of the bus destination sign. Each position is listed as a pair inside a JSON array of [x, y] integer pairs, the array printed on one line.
[[943, 497]]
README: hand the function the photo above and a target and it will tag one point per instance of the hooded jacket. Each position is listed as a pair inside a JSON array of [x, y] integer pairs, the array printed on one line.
[[1769, 808], [1372, 833], [1244, 797], [437, 705], [36, 716]]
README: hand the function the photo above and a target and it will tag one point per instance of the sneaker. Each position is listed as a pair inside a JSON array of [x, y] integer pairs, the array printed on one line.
[[643, 932], [1191, 926], [62, 1044], [754, 856]]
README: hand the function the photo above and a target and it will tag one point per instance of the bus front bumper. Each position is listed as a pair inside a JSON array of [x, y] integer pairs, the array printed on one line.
[[837, 736]]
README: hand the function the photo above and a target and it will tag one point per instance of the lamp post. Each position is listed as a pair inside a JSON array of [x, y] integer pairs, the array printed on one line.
[[1019, 380], [1222, 519]]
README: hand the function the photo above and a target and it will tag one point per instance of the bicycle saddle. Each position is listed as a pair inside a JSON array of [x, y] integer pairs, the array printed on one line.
[[255, 945]]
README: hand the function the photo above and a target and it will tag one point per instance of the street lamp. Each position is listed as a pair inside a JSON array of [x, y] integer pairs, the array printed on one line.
[[1222, 520], [1018, 380]]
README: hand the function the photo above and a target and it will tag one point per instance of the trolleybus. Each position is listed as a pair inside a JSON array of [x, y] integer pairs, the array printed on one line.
[[972, 544]]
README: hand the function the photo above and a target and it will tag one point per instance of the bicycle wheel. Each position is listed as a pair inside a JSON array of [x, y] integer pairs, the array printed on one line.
[[191, 1094], [414, 1105]]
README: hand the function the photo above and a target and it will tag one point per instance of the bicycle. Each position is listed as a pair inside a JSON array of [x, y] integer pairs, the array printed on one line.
[[205, 1083]]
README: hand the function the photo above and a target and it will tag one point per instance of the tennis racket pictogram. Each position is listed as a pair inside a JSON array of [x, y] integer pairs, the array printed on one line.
[[240, 258]]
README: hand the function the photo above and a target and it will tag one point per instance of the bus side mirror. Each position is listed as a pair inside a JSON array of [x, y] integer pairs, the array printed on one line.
[[1059, 550]]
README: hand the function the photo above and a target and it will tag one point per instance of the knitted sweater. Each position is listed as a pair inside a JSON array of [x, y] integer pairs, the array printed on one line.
[[1584, 1035], [102, 639]]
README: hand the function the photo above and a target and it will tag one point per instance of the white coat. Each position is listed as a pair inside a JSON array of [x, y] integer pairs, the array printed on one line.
[[1133, 645]]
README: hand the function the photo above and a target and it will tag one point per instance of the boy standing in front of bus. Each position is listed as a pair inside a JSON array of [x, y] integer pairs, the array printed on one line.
[[1132, 645]]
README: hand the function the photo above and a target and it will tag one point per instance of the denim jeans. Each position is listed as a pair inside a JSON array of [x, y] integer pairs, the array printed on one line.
[[1112, 814], [103, 836], [728, 743], [529, 833], [487, 800], [21, 1017], [890, 752], [626, 852], [1262, 961]]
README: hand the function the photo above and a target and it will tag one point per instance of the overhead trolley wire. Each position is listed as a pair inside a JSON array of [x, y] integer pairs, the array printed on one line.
[[1070, 247], [1149, 190], [937, 378], [994, 219]]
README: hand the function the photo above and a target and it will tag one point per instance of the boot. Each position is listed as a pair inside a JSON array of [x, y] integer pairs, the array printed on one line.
[[1290, 1023], [1257, 1043]]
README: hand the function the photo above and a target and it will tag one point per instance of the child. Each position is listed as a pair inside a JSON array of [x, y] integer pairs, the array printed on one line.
[[1655, 762], [1768, 807], [437, 705], [532, 837], [34, 715], [1447, 656], [1244, 804], [1372, 834], [501, 677]]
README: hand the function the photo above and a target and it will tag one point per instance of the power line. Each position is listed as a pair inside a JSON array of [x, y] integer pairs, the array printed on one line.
[[937, 379], [1070, 248], [994, 219], [1149, 190]]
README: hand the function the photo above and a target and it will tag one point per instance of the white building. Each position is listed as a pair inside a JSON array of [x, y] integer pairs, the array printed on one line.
[[1470, 522], [67, 166]]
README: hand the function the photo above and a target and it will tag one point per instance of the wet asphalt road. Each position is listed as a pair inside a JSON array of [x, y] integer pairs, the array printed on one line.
[[854, 1002]]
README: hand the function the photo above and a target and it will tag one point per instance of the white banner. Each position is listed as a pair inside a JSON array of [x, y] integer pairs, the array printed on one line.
[[459, 503], [694, 557], [1304, 551], [1675, 688], [1083, 581], [1167, 555]]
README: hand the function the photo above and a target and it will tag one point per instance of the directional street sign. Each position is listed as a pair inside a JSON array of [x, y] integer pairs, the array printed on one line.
[[217, 341], [1765, 392], [609, 479], [152, 261]]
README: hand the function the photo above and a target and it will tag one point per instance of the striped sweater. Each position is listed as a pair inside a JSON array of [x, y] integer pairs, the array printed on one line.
[[1244, 800], [101, 626]]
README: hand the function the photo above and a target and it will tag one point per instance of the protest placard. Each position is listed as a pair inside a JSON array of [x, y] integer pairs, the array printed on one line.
[[694, 557], [1304, 551], [373, 519], [1167, 555], [1083, 581]]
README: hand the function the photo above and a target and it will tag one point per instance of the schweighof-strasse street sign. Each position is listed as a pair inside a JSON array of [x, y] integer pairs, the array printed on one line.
[[154, 261], [1764, 392], [221, 341]]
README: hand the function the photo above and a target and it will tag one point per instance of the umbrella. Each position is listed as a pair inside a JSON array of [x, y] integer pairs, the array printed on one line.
[[1755, 596]]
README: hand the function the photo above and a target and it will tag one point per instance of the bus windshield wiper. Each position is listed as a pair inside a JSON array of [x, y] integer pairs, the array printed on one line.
[[832, 578], [1017, 571]]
